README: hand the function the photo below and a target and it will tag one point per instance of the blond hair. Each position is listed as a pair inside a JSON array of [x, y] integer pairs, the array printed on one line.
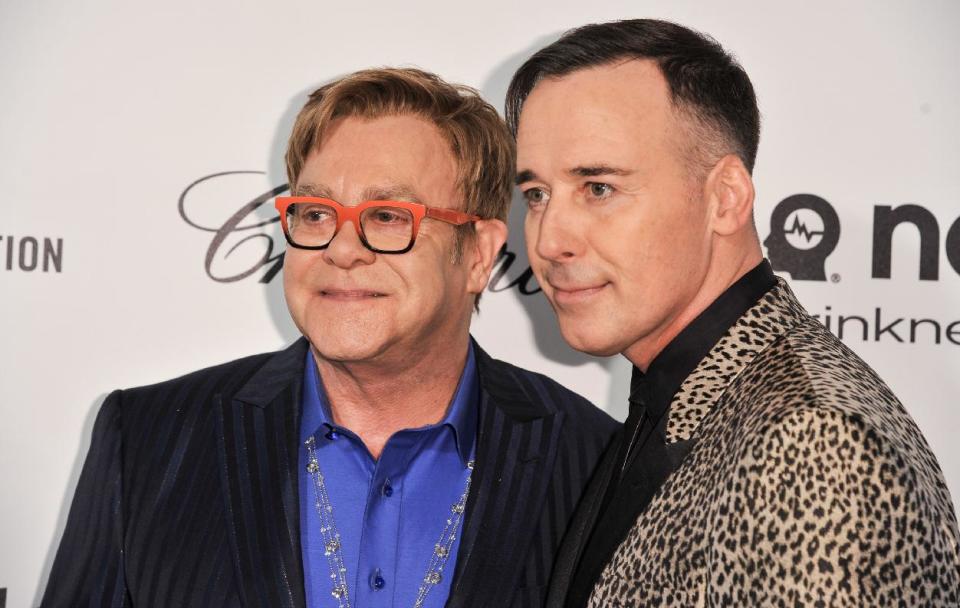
[[478, 137]]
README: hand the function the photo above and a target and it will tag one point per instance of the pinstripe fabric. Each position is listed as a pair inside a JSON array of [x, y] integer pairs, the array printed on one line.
[[188, 496]]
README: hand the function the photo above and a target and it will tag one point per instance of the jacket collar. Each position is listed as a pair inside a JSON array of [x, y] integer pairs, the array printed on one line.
[[258, 441], [772, 316], [287, 366], [281, 369], [652, 391]]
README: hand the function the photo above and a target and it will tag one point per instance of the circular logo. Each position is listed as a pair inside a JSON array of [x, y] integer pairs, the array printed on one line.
[[803, 228]]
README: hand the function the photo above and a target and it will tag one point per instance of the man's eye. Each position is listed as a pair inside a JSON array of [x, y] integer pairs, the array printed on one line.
[[599, 190], [535, 197], [389, 216], [315, 214]]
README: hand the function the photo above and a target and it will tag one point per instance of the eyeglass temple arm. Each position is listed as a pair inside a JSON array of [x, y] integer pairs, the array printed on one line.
[[451, 216]]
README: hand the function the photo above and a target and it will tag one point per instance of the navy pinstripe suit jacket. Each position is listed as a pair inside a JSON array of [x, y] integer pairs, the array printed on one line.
[[189, 494]]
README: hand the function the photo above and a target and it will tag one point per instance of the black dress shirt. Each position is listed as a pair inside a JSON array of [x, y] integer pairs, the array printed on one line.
[[644, 460]]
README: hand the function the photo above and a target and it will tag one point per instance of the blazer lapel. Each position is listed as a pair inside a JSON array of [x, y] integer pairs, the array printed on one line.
[[775, 313], [258, 439], [516, 448], [584, 519]]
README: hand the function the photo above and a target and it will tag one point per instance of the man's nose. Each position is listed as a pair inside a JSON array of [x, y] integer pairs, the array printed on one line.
[[346, 250], [560, 230]]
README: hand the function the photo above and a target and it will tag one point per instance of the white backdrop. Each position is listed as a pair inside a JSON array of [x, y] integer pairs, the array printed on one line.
[[111, 109]]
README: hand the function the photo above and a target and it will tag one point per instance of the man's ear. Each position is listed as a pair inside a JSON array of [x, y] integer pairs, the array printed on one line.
[[489, 237], [729, 190]]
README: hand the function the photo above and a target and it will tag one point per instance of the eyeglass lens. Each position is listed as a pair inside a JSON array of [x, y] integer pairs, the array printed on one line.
[[385, 228]]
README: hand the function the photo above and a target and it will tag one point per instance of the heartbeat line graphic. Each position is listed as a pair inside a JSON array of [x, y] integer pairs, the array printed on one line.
[[801, 229]]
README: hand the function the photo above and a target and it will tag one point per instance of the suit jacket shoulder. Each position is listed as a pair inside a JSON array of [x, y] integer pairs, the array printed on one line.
[[225, 379], [150, 523], [223, 375]]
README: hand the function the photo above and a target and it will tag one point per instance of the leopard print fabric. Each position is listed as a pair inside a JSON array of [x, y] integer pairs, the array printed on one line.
[[808, 484], [758, 327]]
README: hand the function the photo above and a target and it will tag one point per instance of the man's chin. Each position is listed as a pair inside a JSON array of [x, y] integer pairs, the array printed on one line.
[[597, 344], [346, 351]]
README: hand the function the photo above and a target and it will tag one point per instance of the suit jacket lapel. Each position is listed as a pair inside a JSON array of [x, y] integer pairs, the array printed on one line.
[[776, 312], [258, 442], [584, 519], [516, 448]]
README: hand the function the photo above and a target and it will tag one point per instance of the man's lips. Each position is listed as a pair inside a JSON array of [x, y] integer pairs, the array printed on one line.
[[350, 294], [574, 294]]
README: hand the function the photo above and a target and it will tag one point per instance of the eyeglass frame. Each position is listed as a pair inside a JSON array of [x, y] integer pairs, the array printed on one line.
[[352, 214]]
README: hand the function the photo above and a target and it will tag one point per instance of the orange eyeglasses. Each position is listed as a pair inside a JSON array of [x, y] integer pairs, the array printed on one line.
[[383, 226]]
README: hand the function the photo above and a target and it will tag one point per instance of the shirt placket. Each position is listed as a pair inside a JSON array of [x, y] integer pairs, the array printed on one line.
[[376, 579]]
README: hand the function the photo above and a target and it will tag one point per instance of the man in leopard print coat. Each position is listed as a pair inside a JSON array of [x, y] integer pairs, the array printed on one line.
[[762, 462]]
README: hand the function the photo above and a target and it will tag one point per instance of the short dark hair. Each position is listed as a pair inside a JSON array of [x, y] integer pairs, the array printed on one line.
[[704, 80]]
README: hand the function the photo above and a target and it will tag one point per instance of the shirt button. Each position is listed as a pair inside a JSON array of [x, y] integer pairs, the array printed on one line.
[[377, 581], [333, 434], [387, 489]]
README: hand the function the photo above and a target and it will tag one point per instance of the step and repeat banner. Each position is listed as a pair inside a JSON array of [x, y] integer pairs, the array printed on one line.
[[142, 146]]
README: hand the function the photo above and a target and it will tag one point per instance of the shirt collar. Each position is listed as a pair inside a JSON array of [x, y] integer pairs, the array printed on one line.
[[464, 408], [460, 418], [655, 388]]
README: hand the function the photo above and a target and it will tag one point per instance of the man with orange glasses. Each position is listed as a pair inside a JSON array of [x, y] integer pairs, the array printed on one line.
[[384, 459]]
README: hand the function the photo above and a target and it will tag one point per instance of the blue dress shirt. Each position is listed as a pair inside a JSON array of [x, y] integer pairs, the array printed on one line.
[[390, 512]]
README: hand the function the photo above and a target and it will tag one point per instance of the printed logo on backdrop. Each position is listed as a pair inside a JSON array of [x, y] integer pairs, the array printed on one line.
[[240, 243], [31, 253], [245, 234], [886, 219], [805, 230]]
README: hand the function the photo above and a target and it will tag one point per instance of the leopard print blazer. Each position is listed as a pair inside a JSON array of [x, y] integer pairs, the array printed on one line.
[[808, 484]]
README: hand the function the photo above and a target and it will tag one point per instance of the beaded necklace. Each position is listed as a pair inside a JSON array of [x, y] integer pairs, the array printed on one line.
[[331, 535]]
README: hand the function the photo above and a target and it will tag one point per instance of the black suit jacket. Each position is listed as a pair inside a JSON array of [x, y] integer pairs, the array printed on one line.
[[189, 493]]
